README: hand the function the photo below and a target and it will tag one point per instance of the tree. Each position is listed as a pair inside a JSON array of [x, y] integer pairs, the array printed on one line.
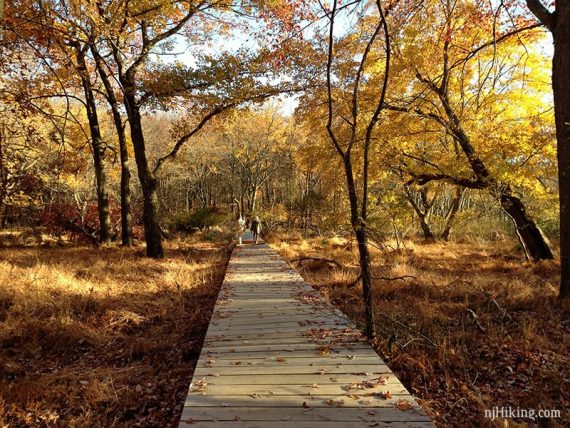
[[256, 143], [358, 130], [461, 91], [44, 26], [558, 23], [126, 221], [217, 84], [97, 144]]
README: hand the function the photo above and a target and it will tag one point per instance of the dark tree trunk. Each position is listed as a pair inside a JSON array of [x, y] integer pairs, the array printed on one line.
[[126, 226], [422, 212], [428, 234], [149, 184], [98, 149], [452, 213], [363, 253], [535, 244], [561, 88]]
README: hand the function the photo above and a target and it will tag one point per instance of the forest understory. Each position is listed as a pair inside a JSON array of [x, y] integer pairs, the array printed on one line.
[[465, 326], [103, 337]]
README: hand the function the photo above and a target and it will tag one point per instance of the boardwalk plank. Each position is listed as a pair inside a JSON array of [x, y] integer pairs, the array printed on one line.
[[334, 414], [276, 354]]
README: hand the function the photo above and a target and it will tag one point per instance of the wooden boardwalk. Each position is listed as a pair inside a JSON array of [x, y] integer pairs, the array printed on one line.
[[277, 355]]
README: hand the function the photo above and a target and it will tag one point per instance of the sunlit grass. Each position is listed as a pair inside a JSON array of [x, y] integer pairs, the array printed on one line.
[[516, 356], [100, 337]]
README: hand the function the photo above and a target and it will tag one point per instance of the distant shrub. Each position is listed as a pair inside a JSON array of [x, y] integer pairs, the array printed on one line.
[[200, 219], [80, 222]]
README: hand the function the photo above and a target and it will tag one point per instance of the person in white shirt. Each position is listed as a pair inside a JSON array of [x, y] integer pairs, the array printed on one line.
[[240, 228]]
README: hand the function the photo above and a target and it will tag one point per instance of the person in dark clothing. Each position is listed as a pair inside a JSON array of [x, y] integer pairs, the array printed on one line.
[[255, 228]]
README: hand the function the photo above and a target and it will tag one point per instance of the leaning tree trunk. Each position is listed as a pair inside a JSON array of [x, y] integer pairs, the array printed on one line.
[[98, 149], [561, 89], [149, 184], [534, 242]]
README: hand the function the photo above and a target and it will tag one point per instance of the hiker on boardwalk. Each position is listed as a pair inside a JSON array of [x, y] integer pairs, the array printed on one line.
[[255, 228], [240, 228]]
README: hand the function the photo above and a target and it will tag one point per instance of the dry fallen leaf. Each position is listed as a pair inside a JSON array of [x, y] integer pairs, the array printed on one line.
[[403, 405]]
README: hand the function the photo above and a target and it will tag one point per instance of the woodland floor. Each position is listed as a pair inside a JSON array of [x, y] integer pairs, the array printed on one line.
[[93, 338], [517, 356]]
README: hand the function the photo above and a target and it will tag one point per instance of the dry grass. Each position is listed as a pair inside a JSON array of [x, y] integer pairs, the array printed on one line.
[[103, 337], [519, 356]]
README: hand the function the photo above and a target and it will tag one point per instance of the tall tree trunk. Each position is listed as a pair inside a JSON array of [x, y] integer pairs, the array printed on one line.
[[126, 222], [363, 254], [3, 181], [452, 213], [561, 88], [149, 184], [98, 149]]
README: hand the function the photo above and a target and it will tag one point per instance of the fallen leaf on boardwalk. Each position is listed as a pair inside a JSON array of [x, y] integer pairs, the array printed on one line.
[[236, 363], [322, 371], [324, 351], [280, 359], [377, 424], [210, 363], [337, 403], [350, 357], [385, 395], [314, 385], [333, 379], [255, 395], [305, 405], [237, 418], [190, 420], [200, 386], [403, 405], [365, 402], [354, 396]]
